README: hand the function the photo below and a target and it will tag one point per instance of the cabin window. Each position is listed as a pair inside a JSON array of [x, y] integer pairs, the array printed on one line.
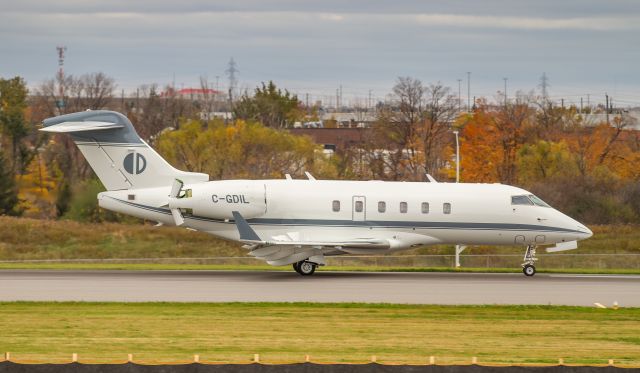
[[359, 206], [520, 200], [446, 208], [335, 206], [382, 206], [131, 197], [425, 207], [538, 201], [403, 207]]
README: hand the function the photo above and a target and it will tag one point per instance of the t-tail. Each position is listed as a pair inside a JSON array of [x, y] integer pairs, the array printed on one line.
[[120, 158]]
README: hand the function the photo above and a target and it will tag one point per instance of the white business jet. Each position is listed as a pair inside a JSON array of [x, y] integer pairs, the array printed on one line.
[[300, 222]]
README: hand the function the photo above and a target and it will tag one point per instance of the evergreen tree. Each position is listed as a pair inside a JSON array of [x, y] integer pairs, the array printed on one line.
[[270, 106], [63, 199], [8, 191]]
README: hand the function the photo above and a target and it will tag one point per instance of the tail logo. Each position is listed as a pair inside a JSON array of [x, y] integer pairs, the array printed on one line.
[[134, 163]]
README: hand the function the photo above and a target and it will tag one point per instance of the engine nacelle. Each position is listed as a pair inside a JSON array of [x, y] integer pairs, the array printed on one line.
[[218, 199]]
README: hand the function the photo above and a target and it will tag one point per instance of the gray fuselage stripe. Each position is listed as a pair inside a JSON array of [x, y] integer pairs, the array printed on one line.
[[369, 223]]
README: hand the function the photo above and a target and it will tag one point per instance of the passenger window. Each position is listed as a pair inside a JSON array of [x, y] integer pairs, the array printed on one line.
[[382, 206], [359, 206], [520, 200], [446, 208], [131, 197], [425, 207], [336, 206], [403, 207]]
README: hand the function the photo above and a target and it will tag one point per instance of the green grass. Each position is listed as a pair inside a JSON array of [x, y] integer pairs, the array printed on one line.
[[265, 267], [281, 332]]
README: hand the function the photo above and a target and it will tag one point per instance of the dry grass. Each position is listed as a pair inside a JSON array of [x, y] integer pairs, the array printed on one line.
[[31, 239], [23, 238], [233, 332]]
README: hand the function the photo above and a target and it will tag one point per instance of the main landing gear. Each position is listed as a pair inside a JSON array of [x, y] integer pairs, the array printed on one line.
[[305, 268], [528, 267]]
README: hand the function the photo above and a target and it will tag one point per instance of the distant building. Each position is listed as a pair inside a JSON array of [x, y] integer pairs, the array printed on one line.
[[195, 94], [334, 139], [631, 118], [348, 120]]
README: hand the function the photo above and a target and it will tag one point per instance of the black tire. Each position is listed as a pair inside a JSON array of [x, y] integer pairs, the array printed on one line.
[[529, 270], [306, 268], [296, 267]]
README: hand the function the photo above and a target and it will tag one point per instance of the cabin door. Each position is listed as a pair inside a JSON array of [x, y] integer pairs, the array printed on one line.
[[359, 208]]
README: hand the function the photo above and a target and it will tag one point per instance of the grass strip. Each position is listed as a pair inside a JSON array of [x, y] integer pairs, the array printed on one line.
[[286, 332]]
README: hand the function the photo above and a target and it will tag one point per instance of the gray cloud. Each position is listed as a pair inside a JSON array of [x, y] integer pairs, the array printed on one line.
[[584, 46]]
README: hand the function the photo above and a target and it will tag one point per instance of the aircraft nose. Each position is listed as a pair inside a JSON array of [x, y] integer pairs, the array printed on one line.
[[585, 232]]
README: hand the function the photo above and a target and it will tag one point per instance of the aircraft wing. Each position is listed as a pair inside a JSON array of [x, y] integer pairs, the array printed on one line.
[[285, 250], [249, 236]]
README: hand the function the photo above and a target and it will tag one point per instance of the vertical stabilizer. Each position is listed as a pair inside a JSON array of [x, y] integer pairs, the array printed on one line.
[[120, 158]]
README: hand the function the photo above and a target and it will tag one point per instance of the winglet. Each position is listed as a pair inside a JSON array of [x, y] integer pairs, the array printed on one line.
[[246, 232]]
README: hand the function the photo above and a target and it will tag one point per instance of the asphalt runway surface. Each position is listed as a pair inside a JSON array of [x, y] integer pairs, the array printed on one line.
[[253, 286]]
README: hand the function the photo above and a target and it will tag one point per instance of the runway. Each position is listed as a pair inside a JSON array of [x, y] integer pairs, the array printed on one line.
[[252, 286]]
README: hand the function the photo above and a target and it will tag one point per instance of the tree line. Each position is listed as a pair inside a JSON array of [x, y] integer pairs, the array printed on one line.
[[588, 170]]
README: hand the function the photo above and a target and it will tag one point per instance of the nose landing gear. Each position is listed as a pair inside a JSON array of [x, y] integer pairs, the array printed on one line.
[[528, 267], [305, 268]]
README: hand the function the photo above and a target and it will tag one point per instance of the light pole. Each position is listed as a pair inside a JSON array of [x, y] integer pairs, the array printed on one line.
[[459, 101], [457, 157], [459, 248]]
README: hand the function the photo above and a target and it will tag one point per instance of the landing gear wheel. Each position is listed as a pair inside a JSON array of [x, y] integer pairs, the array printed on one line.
[[296, 267], [528, 267], [306, 268], [529, 270]]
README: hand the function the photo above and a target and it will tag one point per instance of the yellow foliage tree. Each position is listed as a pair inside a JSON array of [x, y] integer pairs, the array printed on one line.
[[242, 150], [36, 189]]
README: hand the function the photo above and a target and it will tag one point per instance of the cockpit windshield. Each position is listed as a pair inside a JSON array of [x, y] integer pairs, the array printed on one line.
[[538, 201], [528, 200], [520, 200]]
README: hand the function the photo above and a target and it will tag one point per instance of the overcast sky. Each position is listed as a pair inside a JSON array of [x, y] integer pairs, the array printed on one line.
[[584, 46]]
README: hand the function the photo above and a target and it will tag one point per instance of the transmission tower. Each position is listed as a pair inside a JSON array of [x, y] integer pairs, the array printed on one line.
[[231, 72], [61, 50], [544, 86]]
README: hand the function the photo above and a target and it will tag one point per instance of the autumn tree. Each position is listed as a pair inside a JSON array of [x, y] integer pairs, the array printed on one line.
[[412, 133], [242, 150], [93, 91], [156, 109], [545, 160], [492, 137], [435, 133]]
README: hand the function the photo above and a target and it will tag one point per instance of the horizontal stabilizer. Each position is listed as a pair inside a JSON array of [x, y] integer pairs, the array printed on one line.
[[70, 127], [563, 246]]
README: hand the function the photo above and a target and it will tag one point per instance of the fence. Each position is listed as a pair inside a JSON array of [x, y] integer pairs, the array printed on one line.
[[415, 361], [550, 261]]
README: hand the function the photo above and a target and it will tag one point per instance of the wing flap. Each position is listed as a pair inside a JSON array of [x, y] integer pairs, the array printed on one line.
[[356, 244]]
